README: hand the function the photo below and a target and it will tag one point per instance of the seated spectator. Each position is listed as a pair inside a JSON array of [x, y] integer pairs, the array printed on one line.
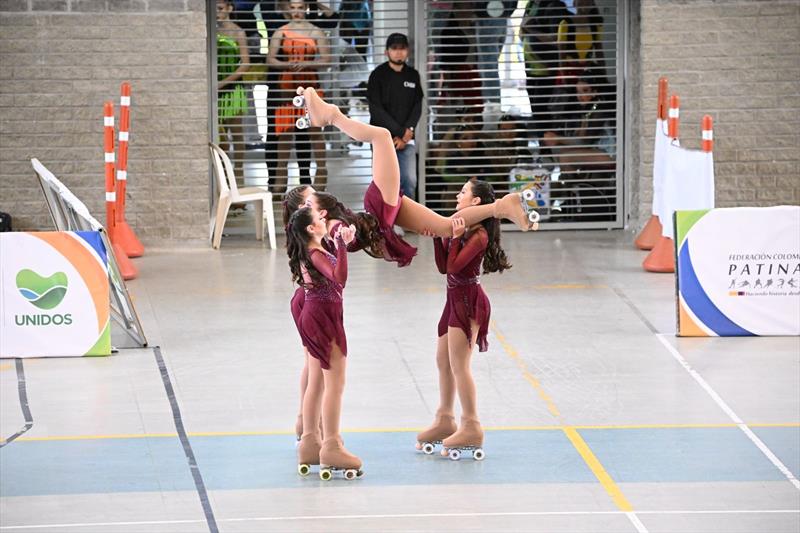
[[458, 156], [584, 124], [505, 148], [583, 142]]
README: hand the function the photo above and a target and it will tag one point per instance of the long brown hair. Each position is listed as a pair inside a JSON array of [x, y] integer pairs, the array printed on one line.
[[297, 239], [368, 234], [494, 259], [292, 202]]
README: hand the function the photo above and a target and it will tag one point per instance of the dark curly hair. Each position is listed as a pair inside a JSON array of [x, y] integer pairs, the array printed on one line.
[[494, 260], [297, 239], [368, 231]]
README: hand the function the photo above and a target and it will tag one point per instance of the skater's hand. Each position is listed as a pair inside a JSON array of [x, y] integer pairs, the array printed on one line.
[[347, 233], [398, 143], [459, 227], [427, 232]]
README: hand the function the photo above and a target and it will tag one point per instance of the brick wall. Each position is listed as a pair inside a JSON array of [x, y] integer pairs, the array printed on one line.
[[738, 61], [61, 59]]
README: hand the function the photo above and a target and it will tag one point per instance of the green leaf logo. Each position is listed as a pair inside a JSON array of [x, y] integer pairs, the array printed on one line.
[[44, 293]]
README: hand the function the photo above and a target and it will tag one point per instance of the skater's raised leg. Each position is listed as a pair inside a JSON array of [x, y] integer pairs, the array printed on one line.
[[386, 175]]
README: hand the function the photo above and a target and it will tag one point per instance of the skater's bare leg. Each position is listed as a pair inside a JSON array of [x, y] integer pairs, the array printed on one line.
[[444, 424], [447, 385], [312, 399], [333, 452], [303, 386], [460, 358], [415, 217], [385, 168], [469, 431]]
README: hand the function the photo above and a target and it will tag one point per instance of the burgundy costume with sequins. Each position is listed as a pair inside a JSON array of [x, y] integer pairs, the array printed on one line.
[[461, 260], [321, 318], [394, 247]]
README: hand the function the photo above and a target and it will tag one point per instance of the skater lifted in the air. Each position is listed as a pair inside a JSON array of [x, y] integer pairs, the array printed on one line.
[[384, 202], [464, 323], [321, 325]]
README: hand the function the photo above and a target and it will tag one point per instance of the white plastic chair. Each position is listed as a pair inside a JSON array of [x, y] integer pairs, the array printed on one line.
[[229, 193]]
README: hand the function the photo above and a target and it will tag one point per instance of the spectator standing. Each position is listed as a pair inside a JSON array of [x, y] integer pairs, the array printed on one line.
[[395, 103]]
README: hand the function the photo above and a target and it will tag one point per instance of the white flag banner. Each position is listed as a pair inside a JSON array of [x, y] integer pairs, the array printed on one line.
[[659, 152], [688, 183]]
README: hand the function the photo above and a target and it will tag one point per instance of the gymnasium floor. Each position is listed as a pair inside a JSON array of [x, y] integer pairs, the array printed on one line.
[[597, 417]]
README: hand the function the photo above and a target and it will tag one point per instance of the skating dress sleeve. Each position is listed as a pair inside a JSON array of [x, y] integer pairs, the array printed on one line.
[[336, 272], [354, 245], [460, 256]]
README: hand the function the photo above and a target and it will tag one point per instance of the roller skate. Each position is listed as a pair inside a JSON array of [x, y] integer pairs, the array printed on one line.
[[318, 113], [517, 208], [443, 426], [334, 458], [469, 437], [308, 450]]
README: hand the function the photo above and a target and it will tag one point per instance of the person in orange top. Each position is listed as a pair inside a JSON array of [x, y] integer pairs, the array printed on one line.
[[298, 49]]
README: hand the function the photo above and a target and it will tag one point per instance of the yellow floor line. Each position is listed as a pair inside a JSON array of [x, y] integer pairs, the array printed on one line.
[[572, 434]]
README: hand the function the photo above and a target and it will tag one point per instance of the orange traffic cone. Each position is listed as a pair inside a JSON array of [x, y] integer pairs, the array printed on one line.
[[649, 235], [662, 257]]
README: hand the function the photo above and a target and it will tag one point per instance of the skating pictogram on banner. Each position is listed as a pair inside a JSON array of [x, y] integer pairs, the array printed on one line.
[[738, 271], [54, 298]]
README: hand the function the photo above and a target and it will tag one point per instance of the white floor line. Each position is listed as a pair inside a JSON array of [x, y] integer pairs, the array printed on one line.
[[733, 416], [409, 516]]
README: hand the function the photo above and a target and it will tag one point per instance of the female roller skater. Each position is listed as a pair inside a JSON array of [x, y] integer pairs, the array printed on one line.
[[321, 324], [384, 200], [464, 323]]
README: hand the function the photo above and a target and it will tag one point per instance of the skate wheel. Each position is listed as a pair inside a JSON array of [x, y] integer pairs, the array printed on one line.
[[478, 454], [533, 217], [301, 123], [303, 469], [350, 474], [325, 474], [455, 455], [528, 195], [298, 100], [428, 448]]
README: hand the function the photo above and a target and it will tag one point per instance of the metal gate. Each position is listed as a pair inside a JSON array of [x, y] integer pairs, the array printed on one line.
[[502, 103], [525, 94]]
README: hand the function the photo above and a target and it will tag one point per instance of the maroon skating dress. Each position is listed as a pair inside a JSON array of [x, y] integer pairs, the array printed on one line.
[[299, 296], [321, 319], [394, 247], [461, 260]]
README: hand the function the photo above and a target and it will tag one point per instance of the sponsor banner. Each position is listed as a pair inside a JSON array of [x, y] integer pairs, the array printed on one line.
[[54, 294], [738, 271]]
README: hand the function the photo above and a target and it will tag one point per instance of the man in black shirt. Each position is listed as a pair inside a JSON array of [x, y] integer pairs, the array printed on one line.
[[395, 103]]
